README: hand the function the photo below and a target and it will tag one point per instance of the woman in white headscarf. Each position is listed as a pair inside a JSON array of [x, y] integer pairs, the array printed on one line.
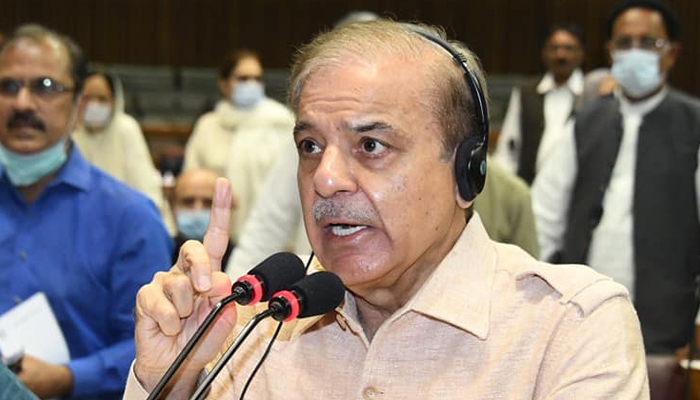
[[113, 141]]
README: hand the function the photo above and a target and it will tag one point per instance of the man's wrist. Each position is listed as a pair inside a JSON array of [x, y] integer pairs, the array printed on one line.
[[183, 382], [63, 380]]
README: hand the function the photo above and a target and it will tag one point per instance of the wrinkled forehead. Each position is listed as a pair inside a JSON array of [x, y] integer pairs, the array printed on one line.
[[46, 53], [400, 76]]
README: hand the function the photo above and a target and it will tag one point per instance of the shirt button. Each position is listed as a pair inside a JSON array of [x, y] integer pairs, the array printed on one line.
[[22, 256], [369, 393]]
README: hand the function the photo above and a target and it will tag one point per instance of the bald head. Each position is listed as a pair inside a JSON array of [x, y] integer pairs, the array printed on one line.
[[194, 189]]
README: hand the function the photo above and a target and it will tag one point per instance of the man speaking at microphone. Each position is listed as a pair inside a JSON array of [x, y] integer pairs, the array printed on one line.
[[434, 308]]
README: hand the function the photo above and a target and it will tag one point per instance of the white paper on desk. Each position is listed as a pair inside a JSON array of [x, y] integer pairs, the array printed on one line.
[[32, 326]]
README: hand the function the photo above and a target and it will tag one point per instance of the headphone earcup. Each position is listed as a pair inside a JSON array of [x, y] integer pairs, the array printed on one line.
[[470, 168]]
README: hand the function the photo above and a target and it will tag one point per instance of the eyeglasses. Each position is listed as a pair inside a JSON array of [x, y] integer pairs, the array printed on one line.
[[644, 42], [43, 88]]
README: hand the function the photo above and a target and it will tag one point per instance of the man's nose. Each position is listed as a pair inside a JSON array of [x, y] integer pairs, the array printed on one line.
[[334, 173], [24, 99]]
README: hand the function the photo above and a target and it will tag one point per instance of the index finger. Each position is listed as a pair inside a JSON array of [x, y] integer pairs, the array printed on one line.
[[217, 236]]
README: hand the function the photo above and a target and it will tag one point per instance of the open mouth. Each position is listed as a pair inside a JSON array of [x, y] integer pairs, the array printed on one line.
[[345, 229]]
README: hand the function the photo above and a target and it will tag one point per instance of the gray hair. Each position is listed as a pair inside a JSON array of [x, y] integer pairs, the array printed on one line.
[[451, 102]]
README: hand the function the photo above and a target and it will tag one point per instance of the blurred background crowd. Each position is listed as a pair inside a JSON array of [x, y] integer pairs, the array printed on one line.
[[181, 92]]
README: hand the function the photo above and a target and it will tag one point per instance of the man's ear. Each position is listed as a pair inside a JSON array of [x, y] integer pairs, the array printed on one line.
[[668, 59], [463, 204]]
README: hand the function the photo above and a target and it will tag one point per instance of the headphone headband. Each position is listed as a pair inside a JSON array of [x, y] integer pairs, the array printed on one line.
[[470, 155], [479, 100]]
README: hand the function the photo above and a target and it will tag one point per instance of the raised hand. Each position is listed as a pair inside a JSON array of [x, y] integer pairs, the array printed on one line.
[[174, 304]]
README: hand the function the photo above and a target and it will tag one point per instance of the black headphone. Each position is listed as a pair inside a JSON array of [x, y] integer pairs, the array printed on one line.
[[470, 160]]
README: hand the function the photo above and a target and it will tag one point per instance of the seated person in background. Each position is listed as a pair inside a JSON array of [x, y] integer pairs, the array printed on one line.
[[67, 229], [194, 192], [241, 137], [391, 157], [112, 140], [539, 109]]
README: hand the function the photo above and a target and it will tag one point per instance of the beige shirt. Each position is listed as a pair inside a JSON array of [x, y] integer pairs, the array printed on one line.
[[120, 150], [490, 323], [242, 146]]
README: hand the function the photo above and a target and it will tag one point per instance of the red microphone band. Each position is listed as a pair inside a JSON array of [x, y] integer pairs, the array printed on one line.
[[293, 303], [256, 285]]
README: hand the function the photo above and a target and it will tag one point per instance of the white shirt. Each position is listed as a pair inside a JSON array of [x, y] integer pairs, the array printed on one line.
[[612, 248], [558, 105], [275, 222], [242, 146]]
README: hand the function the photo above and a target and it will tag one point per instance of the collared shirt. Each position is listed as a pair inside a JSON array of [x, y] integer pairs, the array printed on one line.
[[611, 250], [88, 242], [489, 323], [559, 102]]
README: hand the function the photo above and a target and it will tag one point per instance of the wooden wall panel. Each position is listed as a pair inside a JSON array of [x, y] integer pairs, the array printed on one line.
[[506, 34]]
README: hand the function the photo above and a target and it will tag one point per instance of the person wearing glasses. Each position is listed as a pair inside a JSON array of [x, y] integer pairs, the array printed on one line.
[[621, 194], [240, 138], [539, 108], [67, 229]]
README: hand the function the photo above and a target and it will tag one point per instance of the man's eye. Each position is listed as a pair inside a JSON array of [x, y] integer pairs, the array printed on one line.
[[372, 146], [308, 146]]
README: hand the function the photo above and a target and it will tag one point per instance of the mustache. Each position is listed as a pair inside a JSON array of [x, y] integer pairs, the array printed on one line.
[[26, 118], [333, 209]]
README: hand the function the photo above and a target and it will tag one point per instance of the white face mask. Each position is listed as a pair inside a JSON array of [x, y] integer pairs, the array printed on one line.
[[247, 94], [637, 71], [97, 114]]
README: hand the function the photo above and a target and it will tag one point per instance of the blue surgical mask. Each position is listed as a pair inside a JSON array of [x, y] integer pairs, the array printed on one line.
[[247, 94], [192, 224], [637, 71], [26, 169]]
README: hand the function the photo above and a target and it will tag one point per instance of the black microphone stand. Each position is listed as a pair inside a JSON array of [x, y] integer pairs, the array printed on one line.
[[247, 329], [190, 345]]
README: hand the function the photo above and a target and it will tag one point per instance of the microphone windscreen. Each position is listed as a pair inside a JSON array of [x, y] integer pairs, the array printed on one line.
[[322, 292], [277, 272]]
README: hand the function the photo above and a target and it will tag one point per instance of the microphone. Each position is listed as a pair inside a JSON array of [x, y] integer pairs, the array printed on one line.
[[313, 295], [316, 294], [270, 276]]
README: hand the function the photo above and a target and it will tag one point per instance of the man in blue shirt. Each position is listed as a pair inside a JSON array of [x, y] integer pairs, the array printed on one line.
[[67, 229]]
